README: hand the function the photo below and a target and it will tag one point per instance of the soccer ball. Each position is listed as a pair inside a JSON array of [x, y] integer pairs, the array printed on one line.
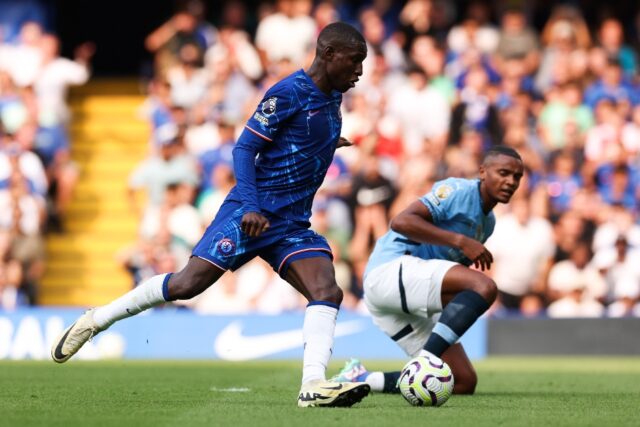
[[426, 381]]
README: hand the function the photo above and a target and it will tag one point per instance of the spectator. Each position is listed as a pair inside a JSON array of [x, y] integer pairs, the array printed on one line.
[[630, 136], [611, 39], [577, 280], [475, 110], [565, 36], [603, 140], [177, 218], [614, 86], [24, 60], [427, 55], [55, 76], [22, 216], [370, 199], [188, 79], [518, 40], [241, 55], [474, 32], [558, 114], [416, 19], [15, 156], [158, 171], [422, 111], [618, 264], [521, 273], [221, 181], [287, 34], [618, 185], [230, 91], [185, 27]]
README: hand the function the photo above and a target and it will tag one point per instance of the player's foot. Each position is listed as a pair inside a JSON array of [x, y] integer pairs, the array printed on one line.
[[353, 371], [332, 394], [74, 337]]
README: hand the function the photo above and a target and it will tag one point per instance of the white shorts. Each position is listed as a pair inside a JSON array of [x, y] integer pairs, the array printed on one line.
[[403, 297]]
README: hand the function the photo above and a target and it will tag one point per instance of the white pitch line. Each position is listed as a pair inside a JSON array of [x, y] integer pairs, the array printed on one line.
[[231, 389]]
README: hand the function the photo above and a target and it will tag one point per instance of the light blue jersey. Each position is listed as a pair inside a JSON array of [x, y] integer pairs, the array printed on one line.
[[455, 205]]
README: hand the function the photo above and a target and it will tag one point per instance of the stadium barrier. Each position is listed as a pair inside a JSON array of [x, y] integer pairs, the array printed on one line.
[[181, 334], [582, 337]]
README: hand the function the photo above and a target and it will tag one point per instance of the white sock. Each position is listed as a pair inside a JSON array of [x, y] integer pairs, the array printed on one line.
[[146, 295], [376, 381], [317, 333]]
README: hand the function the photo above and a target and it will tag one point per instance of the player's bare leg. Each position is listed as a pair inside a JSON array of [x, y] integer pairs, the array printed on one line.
[[464, 373], [197, 276], [315, 279], [466, 295]]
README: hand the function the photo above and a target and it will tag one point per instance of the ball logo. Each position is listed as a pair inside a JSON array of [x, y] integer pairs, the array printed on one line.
[[226, 247], [269, 106]]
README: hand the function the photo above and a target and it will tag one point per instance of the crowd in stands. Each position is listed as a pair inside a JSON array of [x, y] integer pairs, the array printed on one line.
[[37, 175], [441, 84]]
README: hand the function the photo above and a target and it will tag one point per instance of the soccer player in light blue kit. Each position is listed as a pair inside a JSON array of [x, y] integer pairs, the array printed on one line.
[[417, 284], [280, 161]]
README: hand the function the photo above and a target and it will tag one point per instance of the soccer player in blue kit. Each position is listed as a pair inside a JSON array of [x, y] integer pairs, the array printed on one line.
[[280, 161], [417, 284]]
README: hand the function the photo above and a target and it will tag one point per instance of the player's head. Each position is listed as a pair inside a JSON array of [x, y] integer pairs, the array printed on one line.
[[500, 174], [341, 49]]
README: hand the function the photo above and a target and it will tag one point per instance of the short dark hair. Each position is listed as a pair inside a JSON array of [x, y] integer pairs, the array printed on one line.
[[340, 34], [501, 150]]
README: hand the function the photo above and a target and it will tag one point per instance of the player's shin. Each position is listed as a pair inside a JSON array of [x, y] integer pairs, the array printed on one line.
[[318, 329], [149, 293], [458, 316]]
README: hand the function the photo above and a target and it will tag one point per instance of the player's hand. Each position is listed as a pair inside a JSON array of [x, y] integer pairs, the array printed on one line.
[[478, 253], [254, 224], [344, 142]]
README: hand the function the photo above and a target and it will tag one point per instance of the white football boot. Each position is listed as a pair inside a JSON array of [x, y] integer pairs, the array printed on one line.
[[74, 337], [332, 394]]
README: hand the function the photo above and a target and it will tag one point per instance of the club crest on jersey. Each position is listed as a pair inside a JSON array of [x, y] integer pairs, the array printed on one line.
[[269, 106], [226, 247], [443, 191]]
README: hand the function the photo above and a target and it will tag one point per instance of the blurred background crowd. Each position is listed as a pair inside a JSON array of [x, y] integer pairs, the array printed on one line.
[[443, 82]]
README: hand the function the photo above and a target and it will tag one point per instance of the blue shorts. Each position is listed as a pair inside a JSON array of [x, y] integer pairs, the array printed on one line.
[[228, 248]]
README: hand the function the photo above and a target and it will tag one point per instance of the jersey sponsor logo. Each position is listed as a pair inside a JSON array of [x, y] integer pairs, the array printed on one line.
[[443, 191], [231, 344], [269, 106], [226, 247]]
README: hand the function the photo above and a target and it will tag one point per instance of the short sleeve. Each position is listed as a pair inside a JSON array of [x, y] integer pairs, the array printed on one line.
[[442, 200], [277, 106]]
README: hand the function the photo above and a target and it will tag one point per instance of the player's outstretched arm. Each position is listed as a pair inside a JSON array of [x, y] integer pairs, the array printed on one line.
[[416, 222]]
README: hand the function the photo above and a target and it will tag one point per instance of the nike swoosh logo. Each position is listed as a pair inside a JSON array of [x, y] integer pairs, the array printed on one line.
[[231, 344], [338, 387], [58, 352], [313, 113]]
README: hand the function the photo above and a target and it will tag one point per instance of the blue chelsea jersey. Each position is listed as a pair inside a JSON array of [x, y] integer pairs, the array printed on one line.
[[455, 205], [294, 132]]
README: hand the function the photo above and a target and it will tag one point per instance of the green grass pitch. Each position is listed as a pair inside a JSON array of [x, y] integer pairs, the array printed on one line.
[[511, 391]]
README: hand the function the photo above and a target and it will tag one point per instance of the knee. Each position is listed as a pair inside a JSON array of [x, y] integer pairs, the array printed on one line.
[[184, 286], [327, 291], [487, 288]]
